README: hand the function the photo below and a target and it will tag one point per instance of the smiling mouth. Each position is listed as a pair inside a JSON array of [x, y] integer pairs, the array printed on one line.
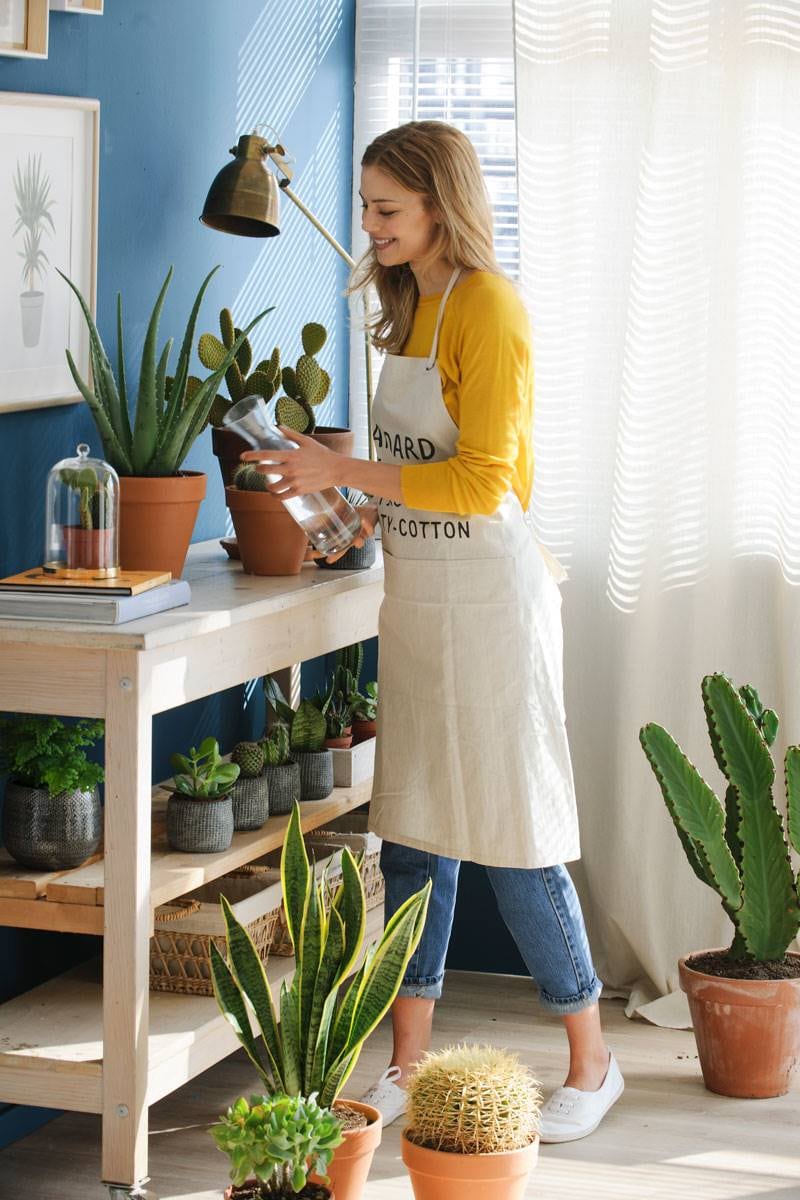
[[382, 243]]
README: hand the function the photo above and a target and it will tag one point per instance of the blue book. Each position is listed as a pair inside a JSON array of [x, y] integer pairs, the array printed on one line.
[[100, 610]]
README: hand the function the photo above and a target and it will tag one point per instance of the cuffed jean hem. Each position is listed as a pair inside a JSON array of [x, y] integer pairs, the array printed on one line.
[[421, 989], [564, 1005]]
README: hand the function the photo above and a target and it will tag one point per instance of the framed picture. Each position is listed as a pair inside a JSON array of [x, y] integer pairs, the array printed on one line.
[[48, 223], [24, 28]]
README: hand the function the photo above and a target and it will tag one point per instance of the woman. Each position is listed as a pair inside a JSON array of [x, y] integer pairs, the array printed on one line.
[[472, 758]]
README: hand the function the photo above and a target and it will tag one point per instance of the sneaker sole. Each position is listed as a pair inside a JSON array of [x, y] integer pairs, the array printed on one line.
[[557, 1139]]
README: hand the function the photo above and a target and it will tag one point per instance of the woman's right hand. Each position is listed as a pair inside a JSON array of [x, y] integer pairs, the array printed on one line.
[[369, 519]]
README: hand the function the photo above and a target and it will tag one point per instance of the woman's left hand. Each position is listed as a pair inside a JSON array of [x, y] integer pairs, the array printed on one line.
[[310, 468]]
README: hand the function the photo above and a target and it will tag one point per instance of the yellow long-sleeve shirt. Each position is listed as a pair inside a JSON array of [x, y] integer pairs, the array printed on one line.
[[485, 361]]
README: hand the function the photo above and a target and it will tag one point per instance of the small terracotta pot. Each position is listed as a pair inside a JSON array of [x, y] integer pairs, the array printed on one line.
[[437, 1175], [363, 731], [270, 540], [341, 441], [353, 1158], [156, 519], [747, 1031], [340, 743], [88, 549], [228, 446]]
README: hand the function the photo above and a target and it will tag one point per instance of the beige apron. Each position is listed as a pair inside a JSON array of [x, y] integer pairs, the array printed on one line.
[[472, 758]]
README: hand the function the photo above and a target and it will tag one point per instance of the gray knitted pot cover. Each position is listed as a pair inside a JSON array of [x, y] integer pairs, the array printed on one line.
[[316, 775], [357, 558], [250, 801], [284, 788], [45, 832], [199, 826]]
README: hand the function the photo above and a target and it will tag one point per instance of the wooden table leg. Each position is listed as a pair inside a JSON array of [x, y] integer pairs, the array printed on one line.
[[127, 921]]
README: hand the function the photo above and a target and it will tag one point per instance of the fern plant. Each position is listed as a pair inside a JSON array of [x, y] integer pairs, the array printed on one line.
[[737, 846]]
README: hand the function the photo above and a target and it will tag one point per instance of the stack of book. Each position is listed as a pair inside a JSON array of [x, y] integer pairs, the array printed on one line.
[[37, 596]]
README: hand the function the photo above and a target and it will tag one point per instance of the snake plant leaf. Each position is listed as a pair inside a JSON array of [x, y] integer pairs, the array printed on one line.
[[351, 905], [295, 877], [343, 1020], [792, 770], [315, 1076], [232, 1007], [308, 729], [290, 1037], [313, 336], [211, 351], [338, 1075], [145, 428], [696, 812], [309, 956], [226, 328], [320, 1011], [293, 414]]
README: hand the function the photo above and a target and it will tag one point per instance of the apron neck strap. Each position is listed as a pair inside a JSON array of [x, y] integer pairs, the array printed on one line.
[[431, 363]]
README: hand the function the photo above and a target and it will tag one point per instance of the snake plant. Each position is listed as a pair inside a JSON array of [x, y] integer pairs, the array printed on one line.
[[170, 410], [737, 846], [311, 1039]]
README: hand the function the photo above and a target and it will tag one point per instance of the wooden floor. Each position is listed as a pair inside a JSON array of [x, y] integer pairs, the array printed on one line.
[[666, 1137]]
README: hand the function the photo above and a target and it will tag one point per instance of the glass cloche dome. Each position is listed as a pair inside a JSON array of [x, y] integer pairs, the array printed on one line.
[[82, 519]]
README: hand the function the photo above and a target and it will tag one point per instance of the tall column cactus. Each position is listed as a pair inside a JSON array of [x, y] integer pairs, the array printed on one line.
[[306, 385], [264, 380], [739, 846]]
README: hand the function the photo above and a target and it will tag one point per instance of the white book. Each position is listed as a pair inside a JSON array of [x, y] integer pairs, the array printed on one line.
[[100, 610]]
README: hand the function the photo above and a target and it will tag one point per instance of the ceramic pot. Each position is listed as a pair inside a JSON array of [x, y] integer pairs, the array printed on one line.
[[250, 802], [156, 519], [284, 787], [363, 730], [339, 743], [747, 1031], [352, 1159], [341, 441], [437, 1175], [316, 774], [270, 540], [46, 832], [357, 558], [88, 549], [199, 826]]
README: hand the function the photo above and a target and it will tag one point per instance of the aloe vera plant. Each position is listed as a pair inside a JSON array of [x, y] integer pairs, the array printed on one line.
[[170, 410], [737, 846], [310, 1040]]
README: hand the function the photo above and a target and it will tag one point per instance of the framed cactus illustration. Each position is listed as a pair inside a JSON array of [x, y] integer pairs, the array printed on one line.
[[48, 223]]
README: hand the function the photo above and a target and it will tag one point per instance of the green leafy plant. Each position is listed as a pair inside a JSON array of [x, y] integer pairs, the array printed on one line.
[[306, 725], [473, 1100], [276, 746], [93, 496], [365, 704], [202, 774], [737, 846], [45, 752], [306, 384], [170, 410], [33, 203], [264, 380], [278, 1140], [311, 1040]]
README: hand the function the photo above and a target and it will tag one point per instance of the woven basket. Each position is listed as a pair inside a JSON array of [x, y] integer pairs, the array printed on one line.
[[250, 802], [180, 948]]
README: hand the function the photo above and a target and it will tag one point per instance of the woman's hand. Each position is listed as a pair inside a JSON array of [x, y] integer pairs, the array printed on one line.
[[369, 519], [310, 468]]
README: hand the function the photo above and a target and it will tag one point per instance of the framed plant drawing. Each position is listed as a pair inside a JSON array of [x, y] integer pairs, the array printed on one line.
[[48, 223]]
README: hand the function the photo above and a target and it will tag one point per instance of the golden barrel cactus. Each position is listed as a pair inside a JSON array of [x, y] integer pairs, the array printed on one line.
[[473, 1100]]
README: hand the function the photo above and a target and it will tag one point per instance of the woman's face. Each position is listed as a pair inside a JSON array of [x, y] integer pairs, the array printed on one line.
[[399, 222]]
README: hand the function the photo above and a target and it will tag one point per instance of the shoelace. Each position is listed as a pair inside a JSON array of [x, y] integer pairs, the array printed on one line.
[[389, 1076]]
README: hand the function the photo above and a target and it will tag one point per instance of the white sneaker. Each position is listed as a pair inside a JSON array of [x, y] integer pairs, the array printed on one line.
[[570, 1114], [389, 1099]]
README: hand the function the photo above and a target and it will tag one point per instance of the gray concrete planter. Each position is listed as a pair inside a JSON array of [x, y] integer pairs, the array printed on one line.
[[250, 802], [316, 775], [284, 788], [47, 832], [199, 826]]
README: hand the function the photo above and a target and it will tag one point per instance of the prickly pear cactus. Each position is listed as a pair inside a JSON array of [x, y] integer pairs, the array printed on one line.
[[249, 757], [472, 1100], [305, 385], [263, 381]]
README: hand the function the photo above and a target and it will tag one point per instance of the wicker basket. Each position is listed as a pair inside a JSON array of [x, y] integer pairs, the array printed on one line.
[[180, 948]]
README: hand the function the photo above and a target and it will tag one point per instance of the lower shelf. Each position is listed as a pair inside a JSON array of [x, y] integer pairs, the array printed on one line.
[[51, 1038]]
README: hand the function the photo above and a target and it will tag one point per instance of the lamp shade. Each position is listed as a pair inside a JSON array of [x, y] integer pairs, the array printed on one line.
[[244, 199]]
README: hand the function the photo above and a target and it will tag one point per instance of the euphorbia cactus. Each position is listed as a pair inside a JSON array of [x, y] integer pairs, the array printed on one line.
[[738, 846], [306, 385], [264, 380]]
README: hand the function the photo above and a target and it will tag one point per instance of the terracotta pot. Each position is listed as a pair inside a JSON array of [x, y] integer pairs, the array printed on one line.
[[437, 1175], [156, 520], [341, 441], [363, 731], [747, 1031], [88, 549], [340, 743], [227, 446], [353, 1158], [270, 540]]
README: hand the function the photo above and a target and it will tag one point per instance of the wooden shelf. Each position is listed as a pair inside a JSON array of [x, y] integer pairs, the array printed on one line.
[[51, 1039], [72, 901]]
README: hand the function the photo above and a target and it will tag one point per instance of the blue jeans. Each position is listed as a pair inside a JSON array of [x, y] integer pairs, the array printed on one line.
[[539, 906]]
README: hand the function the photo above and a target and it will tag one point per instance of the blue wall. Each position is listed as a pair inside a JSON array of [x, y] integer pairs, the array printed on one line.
[[177, 82]]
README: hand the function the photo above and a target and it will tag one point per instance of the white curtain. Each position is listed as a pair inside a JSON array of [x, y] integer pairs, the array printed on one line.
[[659, 188]]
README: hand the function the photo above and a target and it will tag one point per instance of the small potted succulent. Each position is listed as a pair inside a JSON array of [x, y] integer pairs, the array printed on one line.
[[365, 713], [307, 732], [250, 794], [89, 544], [274, 1143], [199, 809], [51, 816], [473, 1122], [281, 770], [270, 540]]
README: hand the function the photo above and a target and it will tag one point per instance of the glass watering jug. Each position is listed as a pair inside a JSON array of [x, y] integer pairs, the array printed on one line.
[[329, 520]]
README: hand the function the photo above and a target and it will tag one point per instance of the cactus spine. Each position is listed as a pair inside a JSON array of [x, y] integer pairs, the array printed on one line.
[[249, 758], [248, 479], [264, 380], [737, 847], [473, 1100], [306, 385]]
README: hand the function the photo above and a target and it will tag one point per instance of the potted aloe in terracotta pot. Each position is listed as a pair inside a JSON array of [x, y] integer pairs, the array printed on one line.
[[473, 1121], [159, 500], [274, 1143], [745, 999], [303, 1048]]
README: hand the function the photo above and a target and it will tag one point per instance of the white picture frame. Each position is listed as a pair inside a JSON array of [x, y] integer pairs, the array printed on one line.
[[24, 28], [49, 147]]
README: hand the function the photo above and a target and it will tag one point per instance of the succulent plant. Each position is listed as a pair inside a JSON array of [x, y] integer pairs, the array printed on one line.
[[249, 758], [276, 746], [93, 496], [351, 658], [278, 1140], [264, 380], [248, 479], [170, 410], [737, 847], [365, 704], [201, 774], [306, 384], [472, 1100]]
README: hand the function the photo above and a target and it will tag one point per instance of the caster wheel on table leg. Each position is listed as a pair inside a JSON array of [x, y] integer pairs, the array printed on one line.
[[121, 1191]]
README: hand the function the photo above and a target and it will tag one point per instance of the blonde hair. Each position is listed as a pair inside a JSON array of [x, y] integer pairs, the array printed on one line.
[[438, 162]]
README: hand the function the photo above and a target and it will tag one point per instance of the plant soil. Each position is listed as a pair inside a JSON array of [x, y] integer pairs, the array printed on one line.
[[716, 962], [349, 1118], [252, 1191]]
